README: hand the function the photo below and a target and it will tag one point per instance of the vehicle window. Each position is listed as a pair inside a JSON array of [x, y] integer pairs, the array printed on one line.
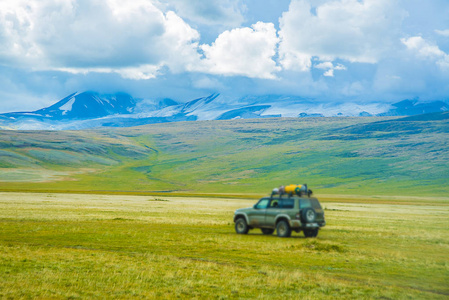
[[315, 204], [274, 203], [263, 203], [287, 203], [303, 203]]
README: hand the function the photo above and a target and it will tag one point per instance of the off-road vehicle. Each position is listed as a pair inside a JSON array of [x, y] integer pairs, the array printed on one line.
[[282, 213]]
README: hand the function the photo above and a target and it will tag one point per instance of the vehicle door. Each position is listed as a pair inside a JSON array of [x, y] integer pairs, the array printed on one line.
[[257, 215], [273, 210]]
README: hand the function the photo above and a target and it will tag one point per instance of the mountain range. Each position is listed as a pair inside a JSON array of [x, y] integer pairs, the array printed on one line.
[[91, 109]]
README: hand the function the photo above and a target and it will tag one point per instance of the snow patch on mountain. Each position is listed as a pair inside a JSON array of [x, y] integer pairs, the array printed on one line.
[[67, 107]]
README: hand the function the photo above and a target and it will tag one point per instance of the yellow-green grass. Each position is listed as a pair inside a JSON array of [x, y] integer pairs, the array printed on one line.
[[121, 246]]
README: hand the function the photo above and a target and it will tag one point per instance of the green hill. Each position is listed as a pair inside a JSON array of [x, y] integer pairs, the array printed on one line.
[[367, 156]]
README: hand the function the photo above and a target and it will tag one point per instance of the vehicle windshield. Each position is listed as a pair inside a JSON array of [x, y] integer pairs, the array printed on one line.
[[263, 203]]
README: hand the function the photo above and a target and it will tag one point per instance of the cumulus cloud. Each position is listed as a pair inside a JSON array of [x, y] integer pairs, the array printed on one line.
[[329, 68], [356, 31], [426, 50], [133, 38], [243, 51], [180, 43], [325, 65]]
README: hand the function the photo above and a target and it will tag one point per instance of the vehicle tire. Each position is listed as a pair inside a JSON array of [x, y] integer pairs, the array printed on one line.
[[308, 215], [267, 231], [283, 229], [241, 227], [308, 233]]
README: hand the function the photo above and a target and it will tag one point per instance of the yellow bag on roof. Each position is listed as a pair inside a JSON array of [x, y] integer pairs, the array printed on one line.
[[293, 189]]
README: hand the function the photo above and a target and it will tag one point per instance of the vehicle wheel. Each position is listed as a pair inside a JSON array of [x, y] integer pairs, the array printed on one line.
[[267, 231], [308, 215], [310, 232], [241, 227], [283, 229]]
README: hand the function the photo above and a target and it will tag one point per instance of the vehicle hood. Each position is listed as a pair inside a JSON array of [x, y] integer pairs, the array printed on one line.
[[244, 210]]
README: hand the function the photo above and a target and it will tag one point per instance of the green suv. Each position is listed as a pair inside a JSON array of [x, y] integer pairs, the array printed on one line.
[[283, 213]]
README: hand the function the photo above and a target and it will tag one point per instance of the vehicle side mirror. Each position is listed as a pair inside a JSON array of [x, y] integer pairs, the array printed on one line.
[[255, 206]]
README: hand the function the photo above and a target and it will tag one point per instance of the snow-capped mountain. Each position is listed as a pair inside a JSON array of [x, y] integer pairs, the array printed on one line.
[[413, 107], [79, 106], [90, 109]]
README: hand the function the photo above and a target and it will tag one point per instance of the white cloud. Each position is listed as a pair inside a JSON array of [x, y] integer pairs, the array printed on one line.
[[243, 51], [136, 73], [329, 73], [425, 50], [422, 47], [132, 38], [340, 67], [294, 60], [329, 67], [357, 31], [180, 44], [135, 39], [16, 23], [325, 65], [443, 32]]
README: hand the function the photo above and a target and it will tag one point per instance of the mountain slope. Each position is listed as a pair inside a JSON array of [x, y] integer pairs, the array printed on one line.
[[375, 156], [85, 105], [89, 110], [412, 107], [250, 112], [89, 105]]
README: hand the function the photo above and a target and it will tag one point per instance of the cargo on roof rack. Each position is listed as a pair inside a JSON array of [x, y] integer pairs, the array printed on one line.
[[292, 189]]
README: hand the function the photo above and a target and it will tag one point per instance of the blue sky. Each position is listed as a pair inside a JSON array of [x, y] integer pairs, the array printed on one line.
[[328, 50]]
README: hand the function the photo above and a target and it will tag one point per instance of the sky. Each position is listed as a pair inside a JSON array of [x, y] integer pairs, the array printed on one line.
[[327, 50]]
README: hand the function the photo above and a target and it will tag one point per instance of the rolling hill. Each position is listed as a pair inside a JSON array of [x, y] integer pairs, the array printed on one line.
[[373, 155]]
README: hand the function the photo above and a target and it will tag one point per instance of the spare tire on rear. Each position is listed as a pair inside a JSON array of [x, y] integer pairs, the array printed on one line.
[[308, 215]]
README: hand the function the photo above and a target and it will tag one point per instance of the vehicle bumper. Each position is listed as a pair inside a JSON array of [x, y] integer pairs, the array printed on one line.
[[311, 225], [296, 224]]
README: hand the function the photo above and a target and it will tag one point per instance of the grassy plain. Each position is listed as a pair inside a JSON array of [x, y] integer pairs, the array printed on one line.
[[77, 246], [367, 156]]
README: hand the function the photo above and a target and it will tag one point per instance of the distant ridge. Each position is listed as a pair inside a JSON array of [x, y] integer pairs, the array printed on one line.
[[89, 105], [78, 106], [91, 109], [412, 107], [428, 117]]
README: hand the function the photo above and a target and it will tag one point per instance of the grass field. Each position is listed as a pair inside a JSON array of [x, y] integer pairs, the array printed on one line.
[[99, 246]]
